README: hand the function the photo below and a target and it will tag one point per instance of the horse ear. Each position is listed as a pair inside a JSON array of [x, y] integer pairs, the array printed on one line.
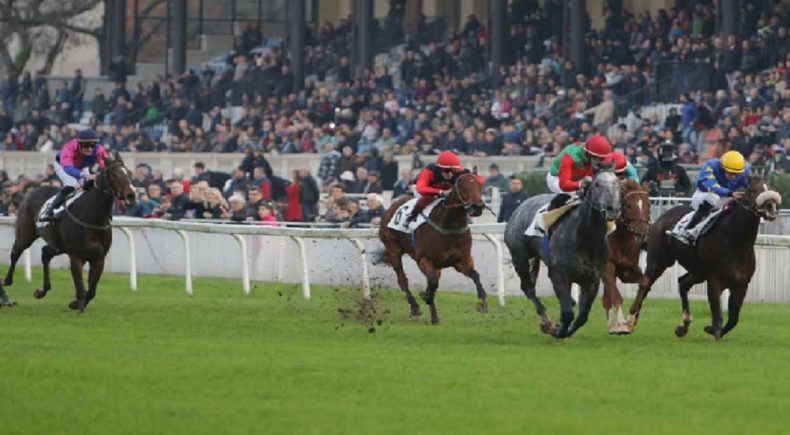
[[474, 169], [117, 156]]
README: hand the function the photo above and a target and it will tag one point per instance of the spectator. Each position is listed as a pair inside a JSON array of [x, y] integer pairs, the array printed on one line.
[[495, 179], [512, 199], [267, 215], [294, 209], [237, 183], [403, 185], [178, 202], [329, 169], [237, 211], [309, 195]]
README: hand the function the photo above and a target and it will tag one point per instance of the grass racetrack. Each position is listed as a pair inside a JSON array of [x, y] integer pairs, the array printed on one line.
[[161, 362]]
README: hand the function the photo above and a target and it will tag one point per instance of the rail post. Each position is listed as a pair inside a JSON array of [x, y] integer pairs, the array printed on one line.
[[364, 261], [305, 270], [187, 261], [500, 273], [132, 258], [245, 264]]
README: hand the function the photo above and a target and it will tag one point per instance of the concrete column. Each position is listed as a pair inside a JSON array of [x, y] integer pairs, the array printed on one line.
[[117, 27], [497, 10], [729, 17], [296, 29], [364, 18], [179, 39], [575, 32]]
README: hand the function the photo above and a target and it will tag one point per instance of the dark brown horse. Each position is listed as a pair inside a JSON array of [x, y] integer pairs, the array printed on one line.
[[83, 231], [443, 241], [724, 256], [625, 245]]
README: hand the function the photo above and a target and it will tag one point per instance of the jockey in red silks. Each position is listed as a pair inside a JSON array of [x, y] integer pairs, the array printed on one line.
[[436, 179], [72, 166]]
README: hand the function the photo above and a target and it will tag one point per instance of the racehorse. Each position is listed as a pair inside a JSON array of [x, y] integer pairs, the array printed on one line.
[[443, 241], [724, 256], [625, 246], [83, 231], [576, 252]]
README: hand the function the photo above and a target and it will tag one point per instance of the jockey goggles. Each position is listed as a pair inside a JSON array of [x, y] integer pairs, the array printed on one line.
[[88, 144]]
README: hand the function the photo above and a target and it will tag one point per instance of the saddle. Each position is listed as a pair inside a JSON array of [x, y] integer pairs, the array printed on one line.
[[58, 212], [680, 230], [398, 223], [545, 219]]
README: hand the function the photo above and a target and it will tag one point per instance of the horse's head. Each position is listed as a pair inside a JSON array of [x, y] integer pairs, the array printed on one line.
[[116, 180], [635, 215], [762, 199], [603, 194], [468, 192]]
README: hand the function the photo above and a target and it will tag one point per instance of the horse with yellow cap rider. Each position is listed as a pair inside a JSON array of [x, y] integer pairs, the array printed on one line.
[[717, 179]]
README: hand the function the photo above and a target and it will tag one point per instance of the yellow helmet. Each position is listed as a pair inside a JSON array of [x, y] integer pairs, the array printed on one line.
[[733, 162]]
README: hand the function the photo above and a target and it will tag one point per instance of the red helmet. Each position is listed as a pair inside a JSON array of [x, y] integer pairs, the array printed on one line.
[[619, 160], [448, 159], [598, 146]]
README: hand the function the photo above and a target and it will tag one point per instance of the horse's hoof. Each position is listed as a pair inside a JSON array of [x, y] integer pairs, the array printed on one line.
[[415, 312], [620, 329], [434, 320], [7, 303], [633, 319], [715, 332], [547, 328], [77, 306], [39, 293], [681, 331], [482, 307]]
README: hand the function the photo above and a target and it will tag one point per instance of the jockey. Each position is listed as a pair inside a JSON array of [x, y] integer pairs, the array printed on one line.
[[573, 167], [622, 168], [436, 179], [574, 163], [72, 166], [717, 179]]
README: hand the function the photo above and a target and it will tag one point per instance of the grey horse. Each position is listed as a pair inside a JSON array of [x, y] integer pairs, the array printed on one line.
[[577, 250]]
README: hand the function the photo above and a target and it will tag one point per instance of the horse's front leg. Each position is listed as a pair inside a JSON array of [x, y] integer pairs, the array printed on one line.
[[467, 267], [714, 299], [432, 274], [47, 253], [562, 288], [737, 295], [78, 303], [97, 267], [586, 300], [612, 300]]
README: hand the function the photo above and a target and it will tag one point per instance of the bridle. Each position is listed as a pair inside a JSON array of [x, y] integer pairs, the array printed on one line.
[[628, 223], [103, 175], [462, 202]]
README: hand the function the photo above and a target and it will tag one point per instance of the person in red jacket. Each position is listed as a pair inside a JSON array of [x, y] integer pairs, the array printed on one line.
[[436, 179]]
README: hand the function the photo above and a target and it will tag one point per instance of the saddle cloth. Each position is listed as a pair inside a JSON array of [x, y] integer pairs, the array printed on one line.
[[701, 228], [398, 220], [544, 218], [57, 212]]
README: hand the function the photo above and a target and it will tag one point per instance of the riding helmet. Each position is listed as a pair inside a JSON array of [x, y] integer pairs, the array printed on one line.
[[598, 146], [448, 159], [88, 135], [619, 160], [733, 162]]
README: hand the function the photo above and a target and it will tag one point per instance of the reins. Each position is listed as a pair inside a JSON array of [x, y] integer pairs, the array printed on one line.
[[108, 191]]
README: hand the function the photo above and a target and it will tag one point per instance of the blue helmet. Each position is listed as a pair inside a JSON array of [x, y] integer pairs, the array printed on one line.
[[88, 135]]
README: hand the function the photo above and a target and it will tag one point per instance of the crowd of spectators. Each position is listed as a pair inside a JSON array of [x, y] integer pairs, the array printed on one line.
[[439, 97]]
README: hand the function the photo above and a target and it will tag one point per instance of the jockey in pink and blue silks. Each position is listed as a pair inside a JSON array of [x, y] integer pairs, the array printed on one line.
[[72, 166]]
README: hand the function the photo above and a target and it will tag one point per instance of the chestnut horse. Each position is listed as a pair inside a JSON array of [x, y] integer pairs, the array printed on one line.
[[625, 245], [724, 256], [443, 241]]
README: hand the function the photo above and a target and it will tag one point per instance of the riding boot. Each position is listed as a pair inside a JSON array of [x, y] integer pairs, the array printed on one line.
[[49, 214], [699, 215], [559, 200]]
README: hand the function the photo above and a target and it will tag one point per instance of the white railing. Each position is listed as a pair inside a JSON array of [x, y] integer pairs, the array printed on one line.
[[341, 257]]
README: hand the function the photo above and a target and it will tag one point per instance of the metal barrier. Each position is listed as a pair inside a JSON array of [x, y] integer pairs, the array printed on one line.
[[286, 263]]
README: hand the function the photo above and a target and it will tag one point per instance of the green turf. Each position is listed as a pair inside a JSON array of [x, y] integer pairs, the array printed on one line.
[[161, 362]]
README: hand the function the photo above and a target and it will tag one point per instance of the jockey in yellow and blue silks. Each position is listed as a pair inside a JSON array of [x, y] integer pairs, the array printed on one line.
[[717, 179]]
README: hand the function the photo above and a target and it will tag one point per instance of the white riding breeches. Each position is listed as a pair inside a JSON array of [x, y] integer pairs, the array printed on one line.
[[65, 178], [554, 183], [709, 197]]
